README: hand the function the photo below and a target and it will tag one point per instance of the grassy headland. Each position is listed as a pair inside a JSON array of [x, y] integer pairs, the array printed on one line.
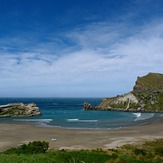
[[146, 96]]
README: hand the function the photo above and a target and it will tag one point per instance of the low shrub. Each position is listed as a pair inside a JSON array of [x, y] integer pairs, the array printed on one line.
[[30, 148], [139, 152], [159, 151]]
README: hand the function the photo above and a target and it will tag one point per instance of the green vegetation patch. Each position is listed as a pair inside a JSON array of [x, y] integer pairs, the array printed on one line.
[[37, 152], [30, 148], [152, 81]]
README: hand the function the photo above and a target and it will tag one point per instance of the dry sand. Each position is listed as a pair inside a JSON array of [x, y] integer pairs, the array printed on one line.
[[12, 135]]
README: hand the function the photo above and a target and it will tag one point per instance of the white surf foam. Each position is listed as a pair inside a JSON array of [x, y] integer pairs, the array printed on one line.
[[137, 114], [144, 116], [88, 121], [34, 120], [72, 120], [77, 120]]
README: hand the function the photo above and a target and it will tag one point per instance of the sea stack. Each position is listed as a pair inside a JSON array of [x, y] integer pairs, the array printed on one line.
[[146, 96], [19, 109]]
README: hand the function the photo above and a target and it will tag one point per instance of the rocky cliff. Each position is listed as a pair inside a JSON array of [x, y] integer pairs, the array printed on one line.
[[146, 96], [19, 109]]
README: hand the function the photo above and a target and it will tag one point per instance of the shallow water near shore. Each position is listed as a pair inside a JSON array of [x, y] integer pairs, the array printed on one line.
[[68, 113]]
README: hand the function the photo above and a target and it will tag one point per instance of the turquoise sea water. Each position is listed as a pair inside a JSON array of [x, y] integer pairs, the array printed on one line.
[[67, 112]]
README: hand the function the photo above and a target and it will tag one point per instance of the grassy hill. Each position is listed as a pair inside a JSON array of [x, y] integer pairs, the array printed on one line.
[[152, 82], [146, 96], [149, 91]]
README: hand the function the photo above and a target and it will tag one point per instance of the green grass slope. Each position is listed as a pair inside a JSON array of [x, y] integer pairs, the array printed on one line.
[[149, 91], [147, 152], [152, 82]]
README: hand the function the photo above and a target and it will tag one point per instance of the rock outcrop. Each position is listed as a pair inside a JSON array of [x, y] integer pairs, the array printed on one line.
[[147, 96], [19, 109], [88, 106]]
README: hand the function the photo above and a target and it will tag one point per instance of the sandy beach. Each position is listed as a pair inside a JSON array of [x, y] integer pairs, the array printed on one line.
[[12, 135]]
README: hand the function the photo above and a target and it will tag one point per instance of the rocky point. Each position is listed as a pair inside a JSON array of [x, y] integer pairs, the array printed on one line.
[[19, 109]]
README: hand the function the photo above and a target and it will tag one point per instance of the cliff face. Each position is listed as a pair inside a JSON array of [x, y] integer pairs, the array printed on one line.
[[19, 109], [147, 96]]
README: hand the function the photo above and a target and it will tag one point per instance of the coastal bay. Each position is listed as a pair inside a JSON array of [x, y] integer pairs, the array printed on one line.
[[96, 129]]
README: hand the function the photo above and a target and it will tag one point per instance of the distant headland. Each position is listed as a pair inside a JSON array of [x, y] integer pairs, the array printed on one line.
[[146, 96], [19, 109]]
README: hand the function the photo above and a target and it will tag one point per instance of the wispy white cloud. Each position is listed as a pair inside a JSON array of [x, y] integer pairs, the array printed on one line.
[[99, 56]]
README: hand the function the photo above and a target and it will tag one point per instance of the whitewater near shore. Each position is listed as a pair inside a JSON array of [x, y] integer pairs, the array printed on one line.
[[13, 135]]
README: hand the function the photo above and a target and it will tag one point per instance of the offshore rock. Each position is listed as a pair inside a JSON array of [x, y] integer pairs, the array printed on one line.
[[146, 96], [19, 109], [88, 106]]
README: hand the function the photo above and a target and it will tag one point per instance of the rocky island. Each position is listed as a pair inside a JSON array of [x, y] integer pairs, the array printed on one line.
[[146, 96], [19, 109]]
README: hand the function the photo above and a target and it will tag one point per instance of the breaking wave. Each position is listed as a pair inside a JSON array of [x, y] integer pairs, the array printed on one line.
[[34, 120], [77, 120], [143, 116], [137, 114]]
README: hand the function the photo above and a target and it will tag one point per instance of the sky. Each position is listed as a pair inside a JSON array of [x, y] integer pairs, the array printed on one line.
[[74, 48]]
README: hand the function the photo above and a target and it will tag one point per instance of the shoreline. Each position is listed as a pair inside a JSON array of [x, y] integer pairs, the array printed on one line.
[[13, 135], [38, 123], [44, 122]]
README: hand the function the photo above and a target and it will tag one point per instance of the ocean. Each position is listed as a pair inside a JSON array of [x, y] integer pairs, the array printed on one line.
[[69, 113]]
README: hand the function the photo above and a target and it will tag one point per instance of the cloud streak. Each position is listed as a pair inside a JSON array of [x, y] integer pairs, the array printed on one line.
[[99, 55]]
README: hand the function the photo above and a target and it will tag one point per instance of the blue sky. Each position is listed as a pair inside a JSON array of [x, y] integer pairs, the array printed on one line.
[[74, 48]]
